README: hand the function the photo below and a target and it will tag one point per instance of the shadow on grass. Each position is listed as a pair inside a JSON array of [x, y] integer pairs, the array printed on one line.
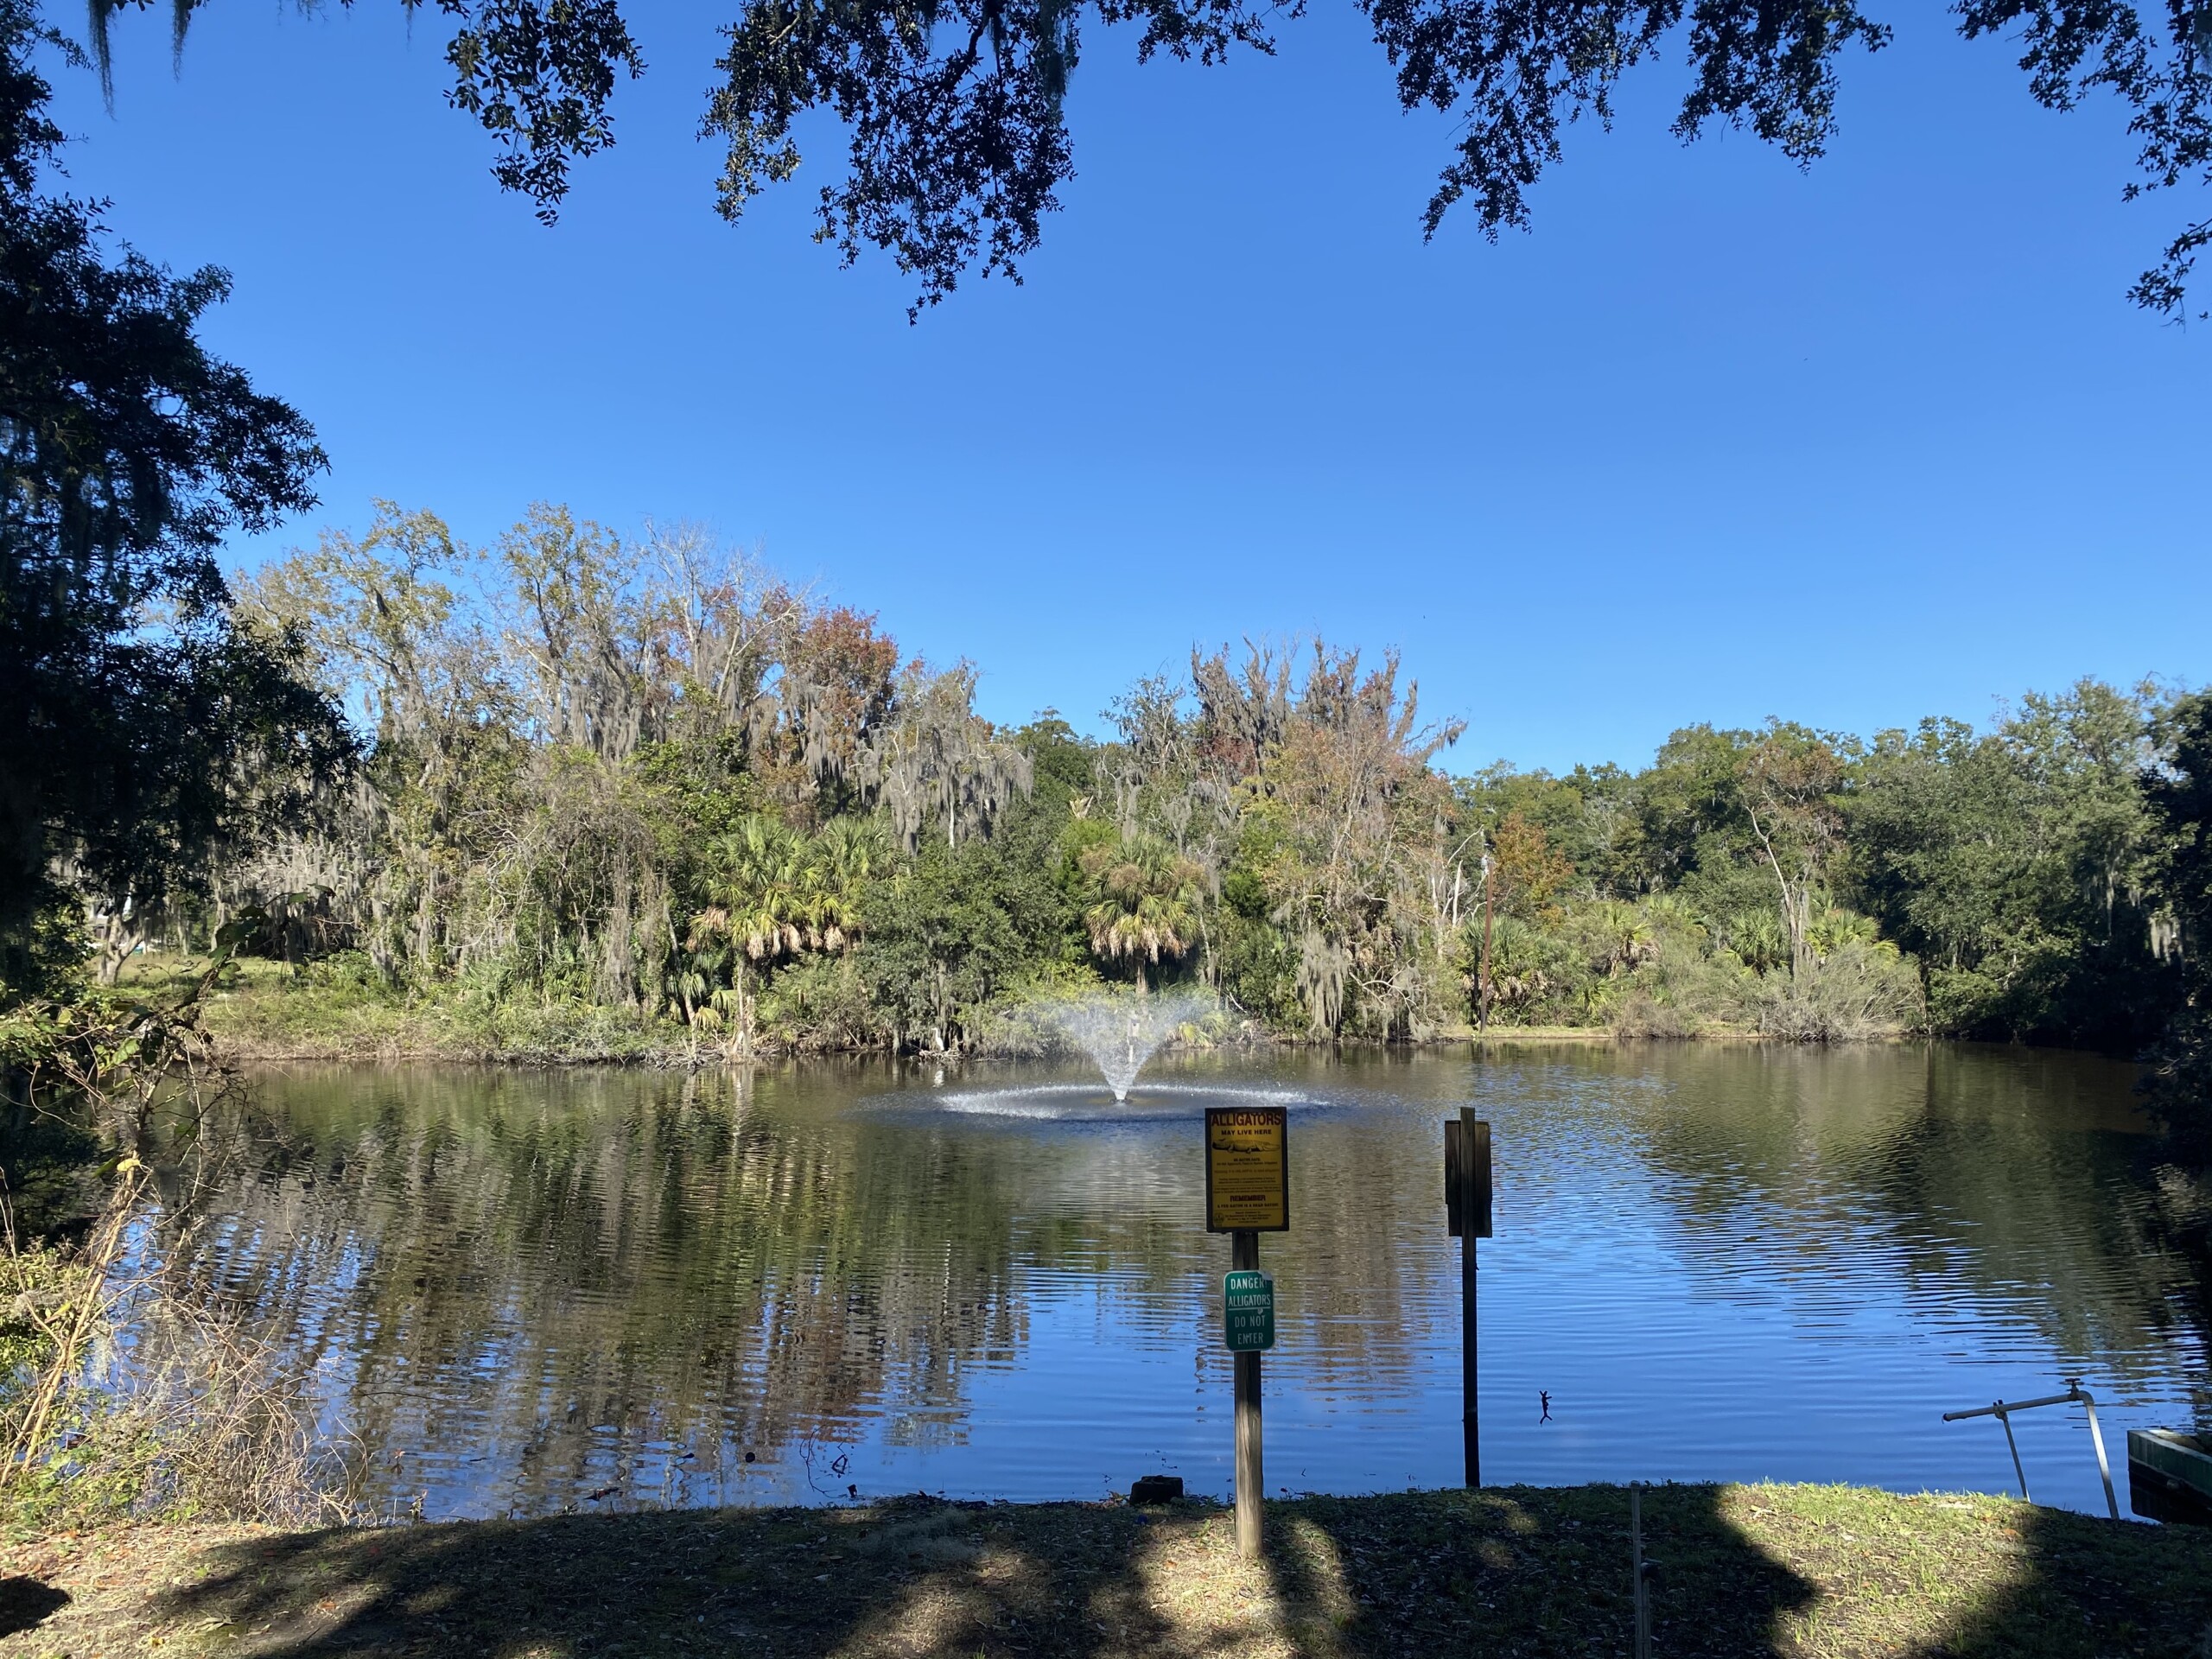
[[26, 1604], [1525, 1571]]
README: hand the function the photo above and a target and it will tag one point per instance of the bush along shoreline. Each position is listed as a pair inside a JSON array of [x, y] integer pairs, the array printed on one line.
[[127, 1390], [264, 1013]]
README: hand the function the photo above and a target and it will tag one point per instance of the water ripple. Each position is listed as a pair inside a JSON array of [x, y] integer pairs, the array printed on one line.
[[520, 1290]]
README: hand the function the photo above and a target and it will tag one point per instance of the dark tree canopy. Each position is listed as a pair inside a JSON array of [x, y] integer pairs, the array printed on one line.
[[955, 107], [138, 720], [2179, 1082]]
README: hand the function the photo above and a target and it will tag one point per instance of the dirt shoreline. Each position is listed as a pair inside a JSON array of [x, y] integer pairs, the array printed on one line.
[[1518, 1571]]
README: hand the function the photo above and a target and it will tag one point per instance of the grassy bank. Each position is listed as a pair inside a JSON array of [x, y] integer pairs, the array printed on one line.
[[263, 1011], [1746, 1570]]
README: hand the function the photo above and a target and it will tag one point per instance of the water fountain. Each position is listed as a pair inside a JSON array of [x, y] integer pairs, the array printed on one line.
[[1121, 1032]]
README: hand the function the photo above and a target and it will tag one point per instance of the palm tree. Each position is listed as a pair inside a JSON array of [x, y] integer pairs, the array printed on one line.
[[1144, 910], [774, 893], [1625, 937], [759, 894], [846, 852]]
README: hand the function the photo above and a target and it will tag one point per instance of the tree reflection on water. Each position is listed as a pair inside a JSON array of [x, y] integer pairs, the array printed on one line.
[[524, 1290]]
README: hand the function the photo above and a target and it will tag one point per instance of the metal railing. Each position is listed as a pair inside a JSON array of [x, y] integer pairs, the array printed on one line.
[[2002, 1411]]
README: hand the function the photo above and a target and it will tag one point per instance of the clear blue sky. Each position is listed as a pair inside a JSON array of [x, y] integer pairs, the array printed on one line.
[[1718, 440]]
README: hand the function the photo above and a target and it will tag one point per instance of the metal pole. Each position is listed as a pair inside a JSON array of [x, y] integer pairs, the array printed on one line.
[[1469, 1225], [2003, 1410], [1636, 1566], [1251, 1484], [2097, 1439], [2005, 1418]]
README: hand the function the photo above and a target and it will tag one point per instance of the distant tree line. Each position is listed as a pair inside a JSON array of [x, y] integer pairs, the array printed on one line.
[[650, 775], [2013, 873]]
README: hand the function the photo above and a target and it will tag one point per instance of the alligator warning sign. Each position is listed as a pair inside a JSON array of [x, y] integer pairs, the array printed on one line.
[[1248, 1312], [1247, 1169]]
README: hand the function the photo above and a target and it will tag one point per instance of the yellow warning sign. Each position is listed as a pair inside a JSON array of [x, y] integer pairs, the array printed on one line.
[[1247, 1169]]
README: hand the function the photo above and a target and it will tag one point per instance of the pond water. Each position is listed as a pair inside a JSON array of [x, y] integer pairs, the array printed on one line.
[[527, 1291]]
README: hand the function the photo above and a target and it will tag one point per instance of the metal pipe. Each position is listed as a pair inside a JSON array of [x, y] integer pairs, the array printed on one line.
[[2002, 1411], [2097, 1439], [2005, 1418], [2004, 1406]]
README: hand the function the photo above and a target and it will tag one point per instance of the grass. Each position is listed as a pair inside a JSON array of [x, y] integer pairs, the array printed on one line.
[[1746, 1570], [339, 1009]]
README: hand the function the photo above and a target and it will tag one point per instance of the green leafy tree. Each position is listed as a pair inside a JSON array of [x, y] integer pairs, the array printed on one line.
[[952, 929], [1689, 812], [1255, 967], [390, 630], [2016, 865], [143, 723], [2179, 1088], [1791, 782]]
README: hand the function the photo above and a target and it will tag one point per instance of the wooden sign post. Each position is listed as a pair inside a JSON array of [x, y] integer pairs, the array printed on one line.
[[1248, 1193], [1467, 1212]]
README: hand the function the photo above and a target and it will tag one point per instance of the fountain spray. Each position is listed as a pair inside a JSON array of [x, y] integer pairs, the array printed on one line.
[[1121, 1032]]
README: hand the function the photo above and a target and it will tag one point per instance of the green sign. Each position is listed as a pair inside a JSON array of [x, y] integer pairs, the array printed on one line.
[[1249, 1312]]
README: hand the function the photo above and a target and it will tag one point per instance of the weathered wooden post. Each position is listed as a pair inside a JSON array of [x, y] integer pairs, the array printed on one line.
[[1466, 1210], [1251, 1476], [1640, 1568], [1248, 1192]]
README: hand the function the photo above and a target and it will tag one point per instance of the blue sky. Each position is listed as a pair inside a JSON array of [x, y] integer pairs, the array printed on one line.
[[1718, 440]]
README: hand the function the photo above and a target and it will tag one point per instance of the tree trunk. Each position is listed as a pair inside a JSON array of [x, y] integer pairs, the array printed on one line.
[[117, 938], [1797, 900], [742, 1038], [1482, 1019]]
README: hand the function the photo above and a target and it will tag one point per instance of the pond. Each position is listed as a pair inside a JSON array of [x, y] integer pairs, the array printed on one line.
[[527, 1291]]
